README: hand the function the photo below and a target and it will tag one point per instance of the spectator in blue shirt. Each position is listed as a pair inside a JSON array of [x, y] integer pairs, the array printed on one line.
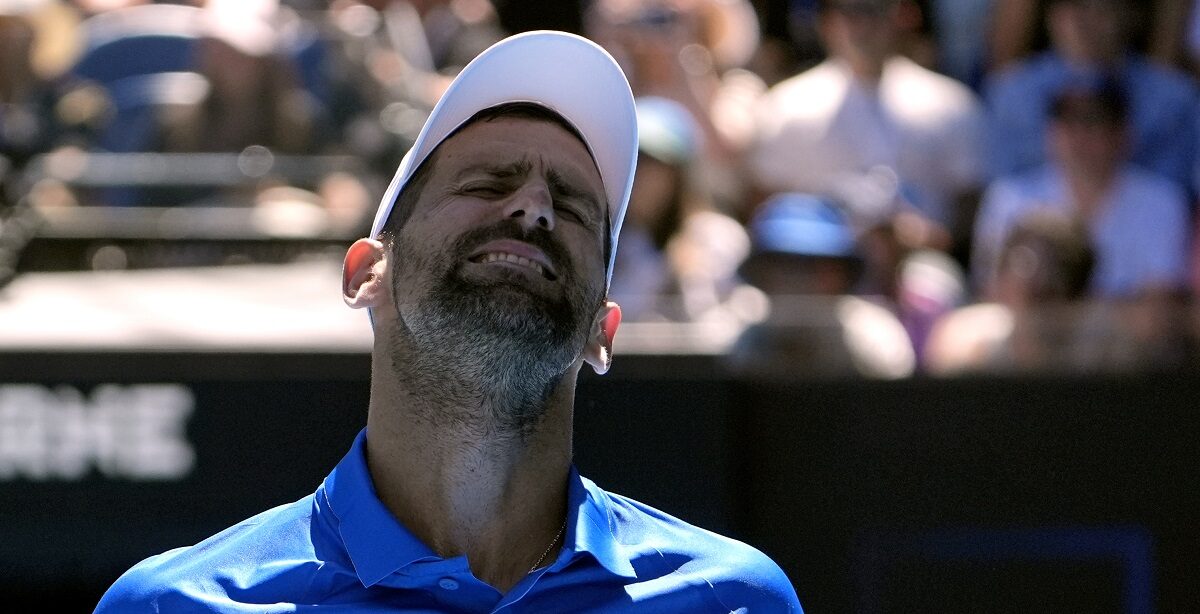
[[485, 275], [1137, 220], [1089, 39]]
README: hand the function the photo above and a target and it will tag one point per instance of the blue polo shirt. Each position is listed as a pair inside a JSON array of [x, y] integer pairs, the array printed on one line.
[[341, 550]]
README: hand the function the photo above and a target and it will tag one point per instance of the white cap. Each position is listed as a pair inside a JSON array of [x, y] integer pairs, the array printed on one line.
[[565, 73]]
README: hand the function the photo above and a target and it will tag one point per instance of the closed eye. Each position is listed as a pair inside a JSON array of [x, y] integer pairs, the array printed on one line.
[[572, 200], [569, 212], [485, 190]]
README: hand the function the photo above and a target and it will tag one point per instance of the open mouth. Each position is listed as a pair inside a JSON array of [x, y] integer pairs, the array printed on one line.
[[513, 259]]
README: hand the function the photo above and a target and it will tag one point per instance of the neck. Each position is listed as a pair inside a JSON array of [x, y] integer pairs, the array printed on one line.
[[463, 481]]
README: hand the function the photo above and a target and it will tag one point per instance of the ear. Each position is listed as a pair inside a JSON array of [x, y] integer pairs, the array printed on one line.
[[598, 351], [362, 274]]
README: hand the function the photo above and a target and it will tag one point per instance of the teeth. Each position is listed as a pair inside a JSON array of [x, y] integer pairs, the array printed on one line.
[[513, 259]]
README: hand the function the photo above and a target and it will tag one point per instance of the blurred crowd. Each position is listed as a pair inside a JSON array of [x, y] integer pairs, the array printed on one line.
[[939, 186]]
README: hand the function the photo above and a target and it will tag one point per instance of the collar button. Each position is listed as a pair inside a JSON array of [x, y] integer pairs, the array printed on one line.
[[448, 584]]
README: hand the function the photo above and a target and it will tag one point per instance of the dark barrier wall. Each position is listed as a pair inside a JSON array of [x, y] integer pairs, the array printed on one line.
[[1002, 495], [963, 495]]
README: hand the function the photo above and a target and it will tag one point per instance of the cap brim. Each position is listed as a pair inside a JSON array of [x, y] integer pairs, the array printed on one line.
[[565, 73]]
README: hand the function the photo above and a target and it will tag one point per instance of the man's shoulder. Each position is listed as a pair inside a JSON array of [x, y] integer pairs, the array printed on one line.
[[740, 575], [198, 577], [904, 78]]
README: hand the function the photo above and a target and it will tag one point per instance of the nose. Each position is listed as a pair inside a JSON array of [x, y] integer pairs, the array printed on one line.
[[532, 206]]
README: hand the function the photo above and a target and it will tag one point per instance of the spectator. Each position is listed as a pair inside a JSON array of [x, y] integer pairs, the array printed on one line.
[[1137, 220], [1046, 263], [678, 257], [867, 108], [803, 245], [806, 260], [1089, 38], [1041, 320], [1047, 258]]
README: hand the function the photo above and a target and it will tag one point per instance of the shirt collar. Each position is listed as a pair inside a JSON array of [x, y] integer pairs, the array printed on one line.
[[591, 531], [378, 545], [376, 542]]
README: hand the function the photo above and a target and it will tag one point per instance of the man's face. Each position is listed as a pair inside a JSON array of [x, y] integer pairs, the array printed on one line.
[[505, 244]]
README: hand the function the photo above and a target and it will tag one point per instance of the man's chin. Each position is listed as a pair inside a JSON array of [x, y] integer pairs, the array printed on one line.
[[515, 309], [506, 307]]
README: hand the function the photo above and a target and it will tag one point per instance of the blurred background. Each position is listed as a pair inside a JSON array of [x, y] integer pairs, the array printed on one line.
[[909, 285]]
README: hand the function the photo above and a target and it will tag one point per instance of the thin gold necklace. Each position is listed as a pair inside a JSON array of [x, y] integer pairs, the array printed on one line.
[[538, 563]]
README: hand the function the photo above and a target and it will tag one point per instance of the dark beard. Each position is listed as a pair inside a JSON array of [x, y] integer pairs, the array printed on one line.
[[497, 343]]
